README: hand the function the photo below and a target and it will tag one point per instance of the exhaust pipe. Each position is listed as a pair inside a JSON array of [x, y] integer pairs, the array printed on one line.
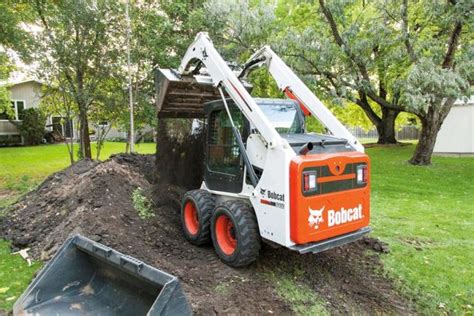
[[306, 148]]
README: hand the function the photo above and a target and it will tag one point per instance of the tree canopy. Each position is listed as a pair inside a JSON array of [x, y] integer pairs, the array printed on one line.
[[368, 60], [386, 57]]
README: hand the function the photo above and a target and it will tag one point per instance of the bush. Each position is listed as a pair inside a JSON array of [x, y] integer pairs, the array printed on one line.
[[142, 204], [32, 127]]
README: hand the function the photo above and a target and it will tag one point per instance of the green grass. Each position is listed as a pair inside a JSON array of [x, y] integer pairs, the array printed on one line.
[[22, 168], [303, 300], [426, 214], [15, 274]]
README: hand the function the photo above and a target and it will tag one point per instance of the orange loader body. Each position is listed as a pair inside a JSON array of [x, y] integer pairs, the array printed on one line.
[[335, 213]]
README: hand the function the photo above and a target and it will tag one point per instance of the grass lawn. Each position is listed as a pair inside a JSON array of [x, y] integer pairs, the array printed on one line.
[[22, 168], [15, 275], [426, 214]]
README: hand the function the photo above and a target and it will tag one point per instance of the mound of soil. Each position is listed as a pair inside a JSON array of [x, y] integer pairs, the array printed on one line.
[[94, 199]]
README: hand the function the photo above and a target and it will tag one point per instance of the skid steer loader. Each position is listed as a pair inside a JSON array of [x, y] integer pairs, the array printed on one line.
[[265, 178]]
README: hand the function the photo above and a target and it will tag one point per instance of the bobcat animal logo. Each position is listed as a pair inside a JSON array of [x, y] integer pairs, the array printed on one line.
[[262, 191], [315, 217]]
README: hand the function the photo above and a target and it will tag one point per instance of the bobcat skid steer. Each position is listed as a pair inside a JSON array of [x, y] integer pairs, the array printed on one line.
[[265, 178]]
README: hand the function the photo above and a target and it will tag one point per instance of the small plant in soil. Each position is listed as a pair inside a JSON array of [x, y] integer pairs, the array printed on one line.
[[142, 204]]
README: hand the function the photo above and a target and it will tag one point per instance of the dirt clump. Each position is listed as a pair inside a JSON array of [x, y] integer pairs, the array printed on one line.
[[94, 199]]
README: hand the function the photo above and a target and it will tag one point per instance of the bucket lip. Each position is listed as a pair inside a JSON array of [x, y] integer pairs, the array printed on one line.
[[123, 261]]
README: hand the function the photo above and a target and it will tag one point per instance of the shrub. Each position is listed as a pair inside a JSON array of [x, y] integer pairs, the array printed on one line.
[[32, 127], [142, 204]]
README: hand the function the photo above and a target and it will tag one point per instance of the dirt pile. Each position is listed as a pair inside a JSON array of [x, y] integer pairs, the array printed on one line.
[[86, 198], [94, 199]]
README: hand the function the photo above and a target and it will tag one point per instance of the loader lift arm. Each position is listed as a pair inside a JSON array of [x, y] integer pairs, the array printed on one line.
[[202, 52], [295, 89]]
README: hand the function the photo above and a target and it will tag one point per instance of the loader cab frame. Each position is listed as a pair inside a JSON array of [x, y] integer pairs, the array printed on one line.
[[224, 169], [223, 166]]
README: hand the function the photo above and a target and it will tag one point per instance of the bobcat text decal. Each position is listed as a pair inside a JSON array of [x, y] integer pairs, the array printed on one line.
[[268, 196], [339, 217]]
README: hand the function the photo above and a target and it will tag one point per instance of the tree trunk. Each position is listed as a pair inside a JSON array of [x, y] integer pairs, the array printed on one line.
[[386, 127], [430, 125], [85, 140]]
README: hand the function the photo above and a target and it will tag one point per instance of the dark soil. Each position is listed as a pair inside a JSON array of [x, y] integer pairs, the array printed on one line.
[[94, 199]]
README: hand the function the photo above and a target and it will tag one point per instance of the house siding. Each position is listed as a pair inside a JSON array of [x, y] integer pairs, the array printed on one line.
[[456, 135], [30, 93]]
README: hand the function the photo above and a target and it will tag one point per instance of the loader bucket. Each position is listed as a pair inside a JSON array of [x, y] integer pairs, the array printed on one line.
[[88, 278], [180, 96]]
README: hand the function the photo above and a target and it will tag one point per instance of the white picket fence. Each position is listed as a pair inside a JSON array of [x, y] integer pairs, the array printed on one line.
[[405, 133]]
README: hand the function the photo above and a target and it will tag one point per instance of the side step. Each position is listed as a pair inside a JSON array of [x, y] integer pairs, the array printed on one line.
[[327, 244], [88, 278]]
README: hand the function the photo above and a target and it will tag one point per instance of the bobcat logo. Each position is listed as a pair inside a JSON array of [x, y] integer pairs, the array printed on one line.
[[315, 217]]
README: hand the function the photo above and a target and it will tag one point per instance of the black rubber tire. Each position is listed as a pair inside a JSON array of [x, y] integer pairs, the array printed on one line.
[[245, 229], [204, 203]]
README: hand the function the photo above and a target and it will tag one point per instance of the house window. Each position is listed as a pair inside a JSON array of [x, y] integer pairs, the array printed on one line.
[[18, 108]]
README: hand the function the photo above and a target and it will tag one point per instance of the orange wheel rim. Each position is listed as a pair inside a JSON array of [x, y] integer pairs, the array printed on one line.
[[225, 235], [191, 220]]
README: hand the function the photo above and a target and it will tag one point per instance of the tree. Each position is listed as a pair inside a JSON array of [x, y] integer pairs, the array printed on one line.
[[12, 37], [342, 56], [400, 56], [56, 100], [161, 33], [298, 35], [108, 108], [441, 65], [81, 45]]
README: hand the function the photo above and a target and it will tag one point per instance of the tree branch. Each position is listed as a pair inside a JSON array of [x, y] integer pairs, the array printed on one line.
[[39, 10], [365, 106], [448, 61], [360, 65], [340, 42], [406, 35]]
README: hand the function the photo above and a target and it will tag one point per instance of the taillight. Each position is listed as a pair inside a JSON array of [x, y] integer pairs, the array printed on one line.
[[362, 174], [309, 181]]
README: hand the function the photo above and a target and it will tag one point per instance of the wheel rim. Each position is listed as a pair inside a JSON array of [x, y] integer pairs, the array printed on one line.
[[225, 234], [191, 220]]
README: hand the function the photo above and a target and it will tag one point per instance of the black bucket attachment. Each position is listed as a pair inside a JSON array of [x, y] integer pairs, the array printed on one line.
[[88, 278], [179, 96], [182, 96]]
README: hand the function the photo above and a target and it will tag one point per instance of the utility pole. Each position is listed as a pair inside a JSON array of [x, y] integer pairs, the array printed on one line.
[[130, 92]]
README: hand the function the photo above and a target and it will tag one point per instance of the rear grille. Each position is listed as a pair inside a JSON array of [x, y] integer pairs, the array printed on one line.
[[337, 185]]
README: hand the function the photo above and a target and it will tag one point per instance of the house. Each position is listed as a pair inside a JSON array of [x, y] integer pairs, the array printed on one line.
[[24, 94], [27, 94], [456, 135]]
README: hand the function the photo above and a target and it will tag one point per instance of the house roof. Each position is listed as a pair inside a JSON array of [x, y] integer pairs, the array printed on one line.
[[462, 101], [17, 82]]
